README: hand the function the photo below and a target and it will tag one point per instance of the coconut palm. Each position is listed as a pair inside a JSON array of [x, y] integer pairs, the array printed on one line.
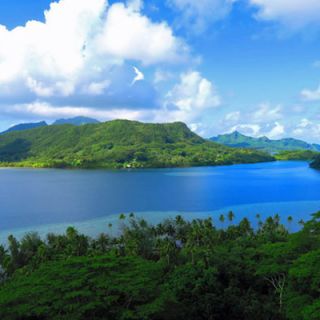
[[230, 216], [222, 219]]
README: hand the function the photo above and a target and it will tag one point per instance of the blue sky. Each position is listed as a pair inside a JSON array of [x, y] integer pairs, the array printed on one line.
[[218, 65]]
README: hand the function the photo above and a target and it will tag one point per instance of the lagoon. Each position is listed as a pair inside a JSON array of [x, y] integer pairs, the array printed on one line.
[[49, 200]]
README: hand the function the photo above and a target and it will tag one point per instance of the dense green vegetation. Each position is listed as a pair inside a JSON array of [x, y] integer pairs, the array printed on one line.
[[304, 155], [239, 140], [118, 144], [316, 163], [174, 270]]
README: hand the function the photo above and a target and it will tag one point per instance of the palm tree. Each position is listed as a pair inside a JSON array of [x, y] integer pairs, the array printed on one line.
[[110, 228], [277, 218], [258, 217], [222, 219], [230, 216], [122, 216], [290, 220], [301, 222]]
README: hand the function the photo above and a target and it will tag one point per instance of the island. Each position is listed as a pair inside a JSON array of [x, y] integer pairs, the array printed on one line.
[[118, 144]]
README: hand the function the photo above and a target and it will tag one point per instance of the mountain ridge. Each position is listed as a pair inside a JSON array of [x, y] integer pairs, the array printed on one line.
[[25, 126], [118, 144], [77, 121], [239, 140]]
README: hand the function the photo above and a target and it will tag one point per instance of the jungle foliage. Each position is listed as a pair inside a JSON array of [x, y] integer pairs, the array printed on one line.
[[178, 269]]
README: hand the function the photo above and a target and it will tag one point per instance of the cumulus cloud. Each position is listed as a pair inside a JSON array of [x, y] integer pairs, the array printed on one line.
[[81, 50], [266, 113], [197, 15], [130, 35], [277, 131], [292, 13], [311, 95], [307, 128], [247, 129], [43, 109], [263, 120], [274, 130], [194, 92]]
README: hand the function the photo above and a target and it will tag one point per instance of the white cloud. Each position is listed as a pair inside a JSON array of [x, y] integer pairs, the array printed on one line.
[[272, 131], [276, 132], [311, 95], [63, 88], [247, 129], [307, 128], [267, 113], [161, 76], [75, 49], [197, 15], [193, 93], [127, 34], [97, 88], [47, 111], [263, 120], [233, 116], [292, 13]]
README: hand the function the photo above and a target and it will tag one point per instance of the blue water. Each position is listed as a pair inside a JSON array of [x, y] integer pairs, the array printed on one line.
[[50, 200]]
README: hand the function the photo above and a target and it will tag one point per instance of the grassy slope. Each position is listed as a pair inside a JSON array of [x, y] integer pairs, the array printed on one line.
[[117, 144]]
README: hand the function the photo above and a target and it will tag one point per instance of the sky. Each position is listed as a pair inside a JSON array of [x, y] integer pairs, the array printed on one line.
[[217, 65]]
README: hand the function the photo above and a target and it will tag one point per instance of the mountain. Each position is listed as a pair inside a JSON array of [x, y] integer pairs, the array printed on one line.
[[76, 121], [25, 126], [238, 140], [118, 144]]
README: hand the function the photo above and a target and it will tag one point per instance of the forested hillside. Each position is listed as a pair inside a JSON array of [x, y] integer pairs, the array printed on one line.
[[118, 144]]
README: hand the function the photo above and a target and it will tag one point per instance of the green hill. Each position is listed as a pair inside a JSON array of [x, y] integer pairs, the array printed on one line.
[[239, 140], [118, 144]]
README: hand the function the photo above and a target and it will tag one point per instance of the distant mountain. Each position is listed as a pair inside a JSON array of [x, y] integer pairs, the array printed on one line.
[[25, 126], [76, 121], [238, 140], [118, 144]]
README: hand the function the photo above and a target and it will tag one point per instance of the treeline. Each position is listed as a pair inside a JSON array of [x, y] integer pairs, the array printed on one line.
[[303, 155], [174, 270], [316, 163]]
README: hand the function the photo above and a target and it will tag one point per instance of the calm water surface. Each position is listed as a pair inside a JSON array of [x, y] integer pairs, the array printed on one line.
[[50, 200]]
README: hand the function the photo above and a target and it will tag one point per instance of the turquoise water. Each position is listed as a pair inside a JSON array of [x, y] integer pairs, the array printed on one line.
[[50, 200]]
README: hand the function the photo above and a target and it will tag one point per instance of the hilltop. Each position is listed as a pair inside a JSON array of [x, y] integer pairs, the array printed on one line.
[[238, 140], [118, 144]]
